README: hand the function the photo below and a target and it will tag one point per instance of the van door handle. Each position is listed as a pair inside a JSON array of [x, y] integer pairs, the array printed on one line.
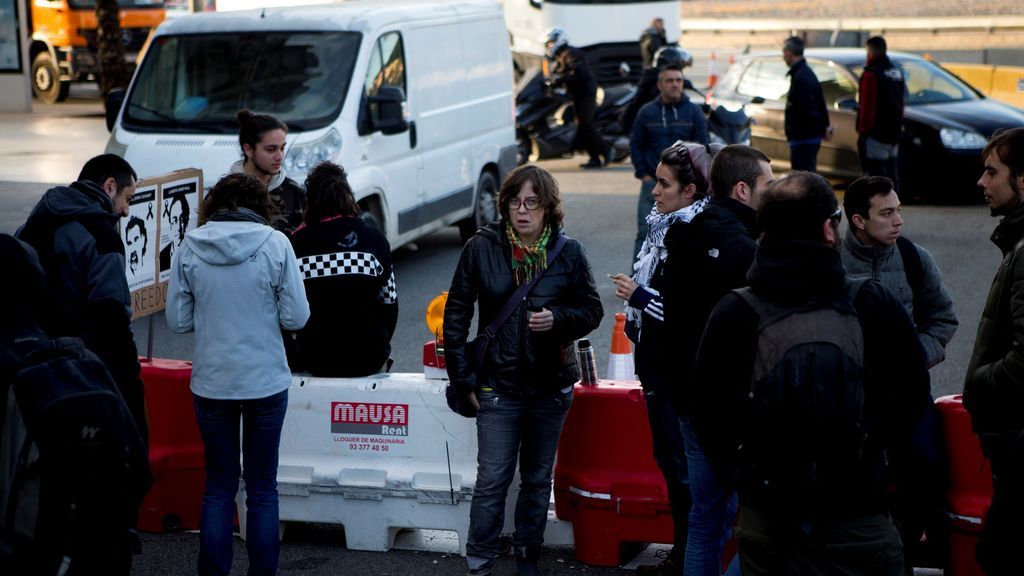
[[412, 134]]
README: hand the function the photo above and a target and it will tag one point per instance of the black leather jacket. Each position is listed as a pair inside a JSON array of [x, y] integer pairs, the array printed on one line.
[[518, 361]]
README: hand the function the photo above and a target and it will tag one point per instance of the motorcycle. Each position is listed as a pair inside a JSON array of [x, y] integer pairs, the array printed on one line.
[[546, 122], [546, 127], [725, 126]]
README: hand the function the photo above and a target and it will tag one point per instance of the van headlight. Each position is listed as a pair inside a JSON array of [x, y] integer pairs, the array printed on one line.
[[955, 139], [301, 158]]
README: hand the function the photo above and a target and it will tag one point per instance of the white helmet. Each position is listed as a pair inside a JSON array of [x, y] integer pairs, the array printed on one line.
[[555, 40]]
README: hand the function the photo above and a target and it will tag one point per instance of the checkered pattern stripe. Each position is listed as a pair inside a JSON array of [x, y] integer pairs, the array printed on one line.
[[340, 263], [389, 293]]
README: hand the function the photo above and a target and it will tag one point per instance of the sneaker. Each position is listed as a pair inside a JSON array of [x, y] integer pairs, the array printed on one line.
[[664, 568], [594, 163]]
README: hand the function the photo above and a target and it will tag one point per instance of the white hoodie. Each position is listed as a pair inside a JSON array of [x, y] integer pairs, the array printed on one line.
[[237, 284]]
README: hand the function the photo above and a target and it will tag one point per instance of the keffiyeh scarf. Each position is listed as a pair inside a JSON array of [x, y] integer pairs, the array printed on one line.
[[653, 252]]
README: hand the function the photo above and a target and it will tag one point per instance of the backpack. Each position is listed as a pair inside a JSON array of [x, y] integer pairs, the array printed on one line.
[[82, 470], [804, 429]]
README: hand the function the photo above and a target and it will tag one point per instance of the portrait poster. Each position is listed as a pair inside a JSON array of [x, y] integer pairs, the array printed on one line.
[[179, 214], [163, 209], [140, 230]]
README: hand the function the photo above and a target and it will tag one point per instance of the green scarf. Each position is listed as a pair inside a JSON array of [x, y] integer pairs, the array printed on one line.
[[528, 260]]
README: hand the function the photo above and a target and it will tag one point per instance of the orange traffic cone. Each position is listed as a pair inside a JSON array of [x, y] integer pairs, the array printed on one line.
[[620, 359], [712, 71]]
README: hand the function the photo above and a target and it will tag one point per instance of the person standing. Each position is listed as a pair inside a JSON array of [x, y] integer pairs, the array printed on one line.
[[670, 118], [647, 87], [807, 389], [235, 282], [993, 393], [705, 260], [875, 248], [807, 122], [570, 70], [262, 138], [74, 231], [679, 195], [349, 279], [880, 112], [651, 40], [524, 387]]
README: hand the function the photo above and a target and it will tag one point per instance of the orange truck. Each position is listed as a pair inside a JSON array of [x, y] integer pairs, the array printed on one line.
[[64, 43]]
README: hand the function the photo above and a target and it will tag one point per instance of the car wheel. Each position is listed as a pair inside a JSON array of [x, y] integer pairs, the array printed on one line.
[[485, 206], [47, 86]]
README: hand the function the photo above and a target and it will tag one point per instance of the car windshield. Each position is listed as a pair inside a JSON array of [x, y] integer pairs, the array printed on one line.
[[198, 83], [929, 84]]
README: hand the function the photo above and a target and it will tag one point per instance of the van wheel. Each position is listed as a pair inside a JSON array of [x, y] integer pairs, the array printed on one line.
[[46, 83], [485, 206]]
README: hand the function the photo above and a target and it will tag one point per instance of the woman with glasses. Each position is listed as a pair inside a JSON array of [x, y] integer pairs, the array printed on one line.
[[680, 193], [523, 386]]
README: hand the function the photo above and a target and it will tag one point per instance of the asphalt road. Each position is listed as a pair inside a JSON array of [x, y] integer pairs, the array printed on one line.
[[50, 146]]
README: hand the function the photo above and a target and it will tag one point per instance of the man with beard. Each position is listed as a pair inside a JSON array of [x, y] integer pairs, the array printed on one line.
[[262, 138], [136, 241], [177, 219], [994, 388]]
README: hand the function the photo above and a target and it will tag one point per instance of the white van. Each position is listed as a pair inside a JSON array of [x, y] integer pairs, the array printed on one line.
[[413, 98]]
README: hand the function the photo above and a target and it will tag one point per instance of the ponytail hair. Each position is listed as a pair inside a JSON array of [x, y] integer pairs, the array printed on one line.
[[252, 127]]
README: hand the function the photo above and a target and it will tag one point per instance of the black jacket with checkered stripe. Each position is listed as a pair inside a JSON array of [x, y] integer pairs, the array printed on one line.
[[350, 285]]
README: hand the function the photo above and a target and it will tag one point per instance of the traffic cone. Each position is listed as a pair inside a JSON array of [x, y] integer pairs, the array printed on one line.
[[620, 358], [712, 71]]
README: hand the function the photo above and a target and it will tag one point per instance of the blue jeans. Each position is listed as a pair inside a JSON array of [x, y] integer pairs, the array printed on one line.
[[507, 427], [711, 515], [644, 205], [261, 421], [669, 453], [804, 156]]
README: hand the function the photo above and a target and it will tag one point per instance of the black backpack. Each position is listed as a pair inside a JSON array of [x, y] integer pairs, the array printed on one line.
[[804, 426], [82, 470]]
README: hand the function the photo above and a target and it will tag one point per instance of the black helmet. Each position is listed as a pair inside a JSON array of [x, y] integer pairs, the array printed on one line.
[[672, 56]]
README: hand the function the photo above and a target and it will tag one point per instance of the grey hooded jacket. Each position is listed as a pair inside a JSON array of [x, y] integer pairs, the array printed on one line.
[[937, 323]]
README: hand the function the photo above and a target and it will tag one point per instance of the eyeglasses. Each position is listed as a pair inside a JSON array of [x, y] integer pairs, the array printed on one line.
[[836, 216], [531, 203]]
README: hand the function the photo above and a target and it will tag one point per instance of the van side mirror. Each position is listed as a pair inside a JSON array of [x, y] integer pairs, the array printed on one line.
[[847, 104], [390, 116], [538, 4], [112, 105], [757, 100]]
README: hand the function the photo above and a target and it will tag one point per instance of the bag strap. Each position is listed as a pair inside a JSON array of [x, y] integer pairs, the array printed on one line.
[[524, 289], [914, 271]]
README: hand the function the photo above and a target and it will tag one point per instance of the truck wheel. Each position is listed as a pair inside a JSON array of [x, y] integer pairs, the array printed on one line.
[[47, 86], [485, 206]]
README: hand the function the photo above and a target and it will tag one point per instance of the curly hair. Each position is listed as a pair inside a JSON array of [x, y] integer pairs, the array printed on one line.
[[544, 185], [236, 191], [328, 193]]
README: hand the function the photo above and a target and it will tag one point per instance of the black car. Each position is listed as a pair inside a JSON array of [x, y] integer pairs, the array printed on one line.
[[946, 121]]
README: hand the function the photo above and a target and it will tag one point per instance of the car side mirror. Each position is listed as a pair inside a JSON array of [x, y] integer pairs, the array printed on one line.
[[757, 100], [390, 114], [112, 105], [847, 104]]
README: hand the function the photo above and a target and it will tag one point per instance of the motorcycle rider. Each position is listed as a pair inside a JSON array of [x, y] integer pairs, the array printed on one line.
[[647, 88], [570, 70]]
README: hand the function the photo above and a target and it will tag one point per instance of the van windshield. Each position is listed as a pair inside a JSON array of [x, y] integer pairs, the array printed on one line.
[[199, 82]]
